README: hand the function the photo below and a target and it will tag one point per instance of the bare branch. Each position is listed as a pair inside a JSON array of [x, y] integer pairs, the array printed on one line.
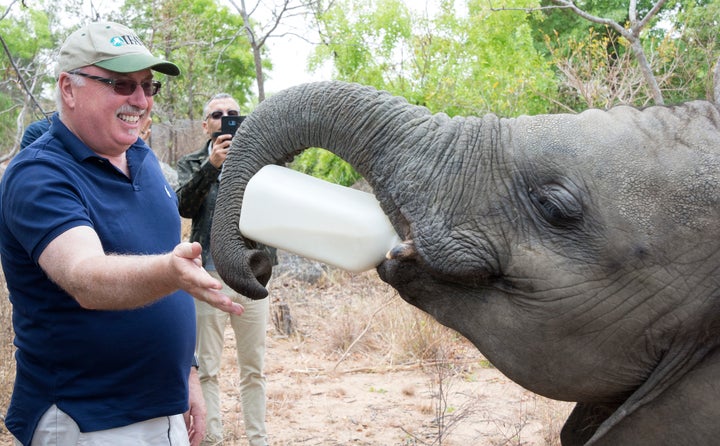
[[19, 75], [632, 35], [589, 17], [527, 10], [655, 9], [257, 40], [7, 10], [365, 330]]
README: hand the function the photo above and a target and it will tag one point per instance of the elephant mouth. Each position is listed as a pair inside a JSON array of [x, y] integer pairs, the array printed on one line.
[[401, 273], [437, 257], [403, 251], [401, 265], [421, 287], [405, 265]]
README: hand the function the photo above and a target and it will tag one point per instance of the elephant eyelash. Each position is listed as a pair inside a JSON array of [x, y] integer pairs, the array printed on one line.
[[556, 204]]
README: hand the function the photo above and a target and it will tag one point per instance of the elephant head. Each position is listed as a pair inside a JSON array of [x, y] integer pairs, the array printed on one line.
[[579, 252]]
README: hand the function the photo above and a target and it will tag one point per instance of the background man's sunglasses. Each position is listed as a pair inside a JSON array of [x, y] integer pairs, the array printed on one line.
[[124, 87], [219, 114]]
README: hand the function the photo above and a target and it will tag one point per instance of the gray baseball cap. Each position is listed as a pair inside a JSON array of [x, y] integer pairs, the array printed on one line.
[[111, 46]]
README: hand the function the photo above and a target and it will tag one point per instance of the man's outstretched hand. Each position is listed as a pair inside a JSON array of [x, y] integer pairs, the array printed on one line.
[[198, 282]]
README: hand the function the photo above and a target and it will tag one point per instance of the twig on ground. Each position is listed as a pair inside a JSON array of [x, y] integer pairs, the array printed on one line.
[[367, 327]]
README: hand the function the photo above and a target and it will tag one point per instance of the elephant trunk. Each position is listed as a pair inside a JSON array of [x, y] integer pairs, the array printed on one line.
[[356, 123]]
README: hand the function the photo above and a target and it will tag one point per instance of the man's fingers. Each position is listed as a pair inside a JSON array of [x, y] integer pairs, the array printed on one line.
[[203, 286], [224, 303], [232, 308]]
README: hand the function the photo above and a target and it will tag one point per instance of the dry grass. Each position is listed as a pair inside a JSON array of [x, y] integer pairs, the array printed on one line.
[[7, 360], [350, 325], [362, 316]]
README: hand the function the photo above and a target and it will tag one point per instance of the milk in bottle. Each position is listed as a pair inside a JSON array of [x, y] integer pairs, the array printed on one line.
[[316, 219]]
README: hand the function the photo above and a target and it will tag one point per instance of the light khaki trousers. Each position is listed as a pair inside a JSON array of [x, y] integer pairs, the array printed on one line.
[[250, 331]]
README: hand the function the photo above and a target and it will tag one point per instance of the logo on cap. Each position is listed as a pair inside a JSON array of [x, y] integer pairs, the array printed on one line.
[[126, 39]]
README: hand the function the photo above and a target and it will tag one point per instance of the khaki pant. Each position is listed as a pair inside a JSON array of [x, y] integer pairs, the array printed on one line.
[[56, 428], [250, 331]]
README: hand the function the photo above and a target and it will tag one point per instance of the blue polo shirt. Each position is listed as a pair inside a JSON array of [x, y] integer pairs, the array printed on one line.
[[105, 369]]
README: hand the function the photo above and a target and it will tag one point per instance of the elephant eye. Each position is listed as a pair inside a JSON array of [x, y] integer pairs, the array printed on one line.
[[556, 204]]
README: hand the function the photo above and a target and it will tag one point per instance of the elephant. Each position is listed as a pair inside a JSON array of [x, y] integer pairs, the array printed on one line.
[[580, 253]]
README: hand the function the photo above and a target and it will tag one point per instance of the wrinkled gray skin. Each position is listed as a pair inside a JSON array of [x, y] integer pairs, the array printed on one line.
[[579, 253]]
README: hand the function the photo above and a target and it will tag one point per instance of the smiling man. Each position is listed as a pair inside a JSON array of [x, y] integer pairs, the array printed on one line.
[[100, 284]]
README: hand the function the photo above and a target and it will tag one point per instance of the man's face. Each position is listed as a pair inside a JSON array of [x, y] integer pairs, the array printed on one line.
[[218, 108], [104, 120]]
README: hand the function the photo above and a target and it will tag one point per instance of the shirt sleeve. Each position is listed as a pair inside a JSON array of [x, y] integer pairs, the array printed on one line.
[[33, 132], [40, 203]]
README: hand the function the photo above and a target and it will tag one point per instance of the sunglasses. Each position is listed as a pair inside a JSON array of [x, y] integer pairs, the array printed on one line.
[[219, 114], [124, 87]]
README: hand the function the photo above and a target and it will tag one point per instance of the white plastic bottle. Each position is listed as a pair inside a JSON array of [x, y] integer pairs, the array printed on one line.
[[316, 219]]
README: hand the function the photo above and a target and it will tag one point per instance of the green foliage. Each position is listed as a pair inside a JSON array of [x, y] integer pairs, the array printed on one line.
[[468, 57], [597, 68], [323, 164], [205, 40], [487, 62], [26, 35], [458, 64], [29, 39], [362, 37], [569, 26], [698, 50]]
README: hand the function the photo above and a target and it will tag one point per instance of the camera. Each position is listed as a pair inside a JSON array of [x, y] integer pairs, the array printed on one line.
[[229, 125]]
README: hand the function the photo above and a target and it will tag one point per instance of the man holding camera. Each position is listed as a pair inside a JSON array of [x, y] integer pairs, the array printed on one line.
[[198, 179]]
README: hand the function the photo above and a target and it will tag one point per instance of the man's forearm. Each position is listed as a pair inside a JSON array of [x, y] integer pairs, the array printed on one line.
[[116, 282], [76, 261]]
